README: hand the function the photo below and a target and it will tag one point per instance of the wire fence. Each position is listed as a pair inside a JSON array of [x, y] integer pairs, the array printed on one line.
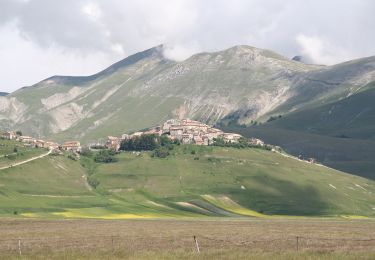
[[25, 245]]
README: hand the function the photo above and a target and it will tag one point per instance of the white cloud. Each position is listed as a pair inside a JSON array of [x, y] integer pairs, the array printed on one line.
[[180, 52], [318, 50], [23, 62], [95, 33], [117, 48], [92, 10]]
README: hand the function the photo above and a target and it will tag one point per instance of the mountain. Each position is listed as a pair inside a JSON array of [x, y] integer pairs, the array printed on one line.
[[340, 133], [3, 94], [349, 117], [146, 88], [241, 85], [211, 181]]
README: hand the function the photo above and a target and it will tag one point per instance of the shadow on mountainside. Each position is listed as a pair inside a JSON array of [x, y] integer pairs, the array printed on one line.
[[280, 197], [354, 156]]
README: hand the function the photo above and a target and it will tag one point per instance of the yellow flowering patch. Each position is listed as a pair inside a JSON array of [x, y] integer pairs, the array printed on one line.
[[354, 217], [231, 206], [82, 213], [30, 215]]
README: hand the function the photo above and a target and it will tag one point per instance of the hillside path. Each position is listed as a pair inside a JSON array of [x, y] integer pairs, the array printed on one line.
[[26, 161]]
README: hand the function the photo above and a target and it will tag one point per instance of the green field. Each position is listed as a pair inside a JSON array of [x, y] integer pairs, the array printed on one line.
[[194, 181]]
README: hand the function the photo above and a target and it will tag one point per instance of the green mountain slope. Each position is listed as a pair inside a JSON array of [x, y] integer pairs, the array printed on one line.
[[210, 181], [350, 117], [339, 134]]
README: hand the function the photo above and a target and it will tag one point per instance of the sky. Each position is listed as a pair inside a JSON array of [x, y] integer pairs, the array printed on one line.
[[42, 38]]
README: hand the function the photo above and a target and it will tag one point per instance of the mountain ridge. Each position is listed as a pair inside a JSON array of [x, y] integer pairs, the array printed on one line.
[[242, 84]]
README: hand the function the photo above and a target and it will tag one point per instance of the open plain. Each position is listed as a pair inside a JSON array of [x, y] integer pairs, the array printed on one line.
[[224, 238]]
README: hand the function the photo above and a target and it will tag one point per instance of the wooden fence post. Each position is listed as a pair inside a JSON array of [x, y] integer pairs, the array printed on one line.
[[19, 247], [297, 243], [196, 244]]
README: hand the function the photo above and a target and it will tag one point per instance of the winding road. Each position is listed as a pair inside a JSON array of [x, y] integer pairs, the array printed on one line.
[[26, 161]]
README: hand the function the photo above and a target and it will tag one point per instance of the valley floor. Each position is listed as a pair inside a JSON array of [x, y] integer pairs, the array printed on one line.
[[173, 239]]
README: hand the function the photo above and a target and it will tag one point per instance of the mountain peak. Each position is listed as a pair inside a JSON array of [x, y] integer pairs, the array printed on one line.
[[154, 52]]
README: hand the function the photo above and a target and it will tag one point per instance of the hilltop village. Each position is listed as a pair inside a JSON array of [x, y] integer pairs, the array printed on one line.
[[185, 131]]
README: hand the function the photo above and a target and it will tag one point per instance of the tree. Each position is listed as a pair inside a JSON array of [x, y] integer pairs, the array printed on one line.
[[86, 152], [93, 182], [141, 143], [105, 156], [19, 133], [161, 152]]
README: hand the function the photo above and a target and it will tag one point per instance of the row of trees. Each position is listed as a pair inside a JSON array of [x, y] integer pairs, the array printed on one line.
[[161, 145]]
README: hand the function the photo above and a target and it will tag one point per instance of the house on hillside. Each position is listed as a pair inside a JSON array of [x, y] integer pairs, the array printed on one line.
[[198, 140], [125, 137], [10, 135], [187, 138], [168, 124], [206, 140], [113, 143], [231, 137], [51, 145], [40, 144], [27, 139], [154, 131], [176, 131], [72, 146], [136, 134], [214, 133], [255, 141]]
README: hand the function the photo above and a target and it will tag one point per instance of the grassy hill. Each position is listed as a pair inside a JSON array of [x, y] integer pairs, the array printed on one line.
[[12, 152], [192, 182]]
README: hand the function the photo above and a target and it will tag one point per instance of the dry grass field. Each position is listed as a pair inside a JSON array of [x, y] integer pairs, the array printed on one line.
[[173, 239]]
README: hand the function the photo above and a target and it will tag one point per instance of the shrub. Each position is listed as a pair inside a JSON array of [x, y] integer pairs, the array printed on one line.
[[11, 156], [97, 147], [273, 118], [105, 156], [165, 141], [161, 152], [93, 182], [213, 159], [86, 152], [72, 157]]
